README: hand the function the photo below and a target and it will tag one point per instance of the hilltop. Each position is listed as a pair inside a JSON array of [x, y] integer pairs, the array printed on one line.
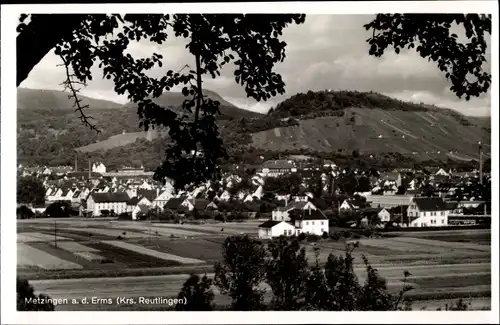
[[372, 123]]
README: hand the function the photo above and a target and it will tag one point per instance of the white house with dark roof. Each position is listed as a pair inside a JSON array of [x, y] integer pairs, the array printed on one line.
[[428, 212], [272, 228], [111, 202], [312, 222]]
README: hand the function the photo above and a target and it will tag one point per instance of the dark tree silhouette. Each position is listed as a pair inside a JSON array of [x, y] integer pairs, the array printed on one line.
[[431, 36], [251, 42], [241, 273], [197, 293], [30, 190], [27, 300], [287, 273]]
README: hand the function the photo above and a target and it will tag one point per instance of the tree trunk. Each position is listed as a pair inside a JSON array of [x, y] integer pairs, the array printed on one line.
[[39, 37]]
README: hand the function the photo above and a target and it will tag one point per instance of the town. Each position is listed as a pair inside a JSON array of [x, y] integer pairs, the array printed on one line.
[[433, 197]]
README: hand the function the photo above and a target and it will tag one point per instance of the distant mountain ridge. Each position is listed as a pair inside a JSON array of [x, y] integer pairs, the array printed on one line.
[[58, 100], [320, 121], [28, 98]]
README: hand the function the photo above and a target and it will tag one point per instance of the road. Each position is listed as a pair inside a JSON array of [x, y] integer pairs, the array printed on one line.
[[170, 285]]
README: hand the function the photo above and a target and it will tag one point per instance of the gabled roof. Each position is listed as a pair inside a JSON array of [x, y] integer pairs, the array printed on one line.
[[174, 203], [371, 211], [430, 204], [148, 194], [133, 201], [311, 214], [110, 197], [269, 224], [292, 206]]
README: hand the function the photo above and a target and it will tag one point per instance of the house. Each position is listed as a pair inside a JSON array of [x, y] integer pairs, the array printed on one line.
[[282, 213], [76, 197], [390, 178], [329, 164], [272, 228], [137, 205], [381, 213], [351, 205], [276, 168], [98, 167], [174, 204], [163, 197], [389, 201], [199, 204], [225, 196], [312, 222], [149, 194], [146, 186], [428, 212], [98, 203], [55, 195], [248, 198], [442, 172]]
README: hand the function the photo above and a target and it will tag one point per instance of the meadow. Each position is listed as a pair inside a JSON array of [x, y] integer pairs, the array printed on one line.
[[443, 264]]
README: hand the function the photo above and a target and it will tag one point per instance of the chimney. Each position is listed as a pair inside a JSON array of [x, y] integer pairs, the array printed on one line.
[[286, 201], [309, 210], [157, 192]]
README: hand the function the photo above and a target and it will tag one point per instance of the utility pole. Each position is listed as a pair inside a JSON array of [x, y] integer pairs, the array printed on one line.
[[55, 234], [480, 163]]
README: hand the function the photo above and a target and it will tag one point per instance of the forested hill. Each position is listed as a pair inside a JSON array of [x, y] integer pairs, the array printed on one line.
[[326, 103]]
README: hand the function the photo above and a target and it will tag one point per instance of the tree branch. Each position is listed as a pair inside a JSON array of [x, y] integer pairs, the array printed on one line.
[[68, 85]]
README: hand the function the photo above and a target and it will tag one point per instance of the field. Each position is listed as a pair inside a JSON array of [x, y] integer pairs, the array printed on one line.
[[443, 264], [426, 135]]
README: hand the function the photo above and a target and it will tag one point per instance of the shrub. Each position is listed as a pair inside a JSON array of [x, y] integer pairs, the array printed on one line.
[[301, 236], [124, 216], [325, 235], [313, 238], [119, 237]]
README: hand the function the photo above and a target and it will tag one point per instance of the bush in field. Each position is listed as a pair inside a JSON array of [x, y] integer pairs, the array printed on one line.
[[197, 293], [325, 235], [313, 238], [27, 299], [125, 216], [23, 212]]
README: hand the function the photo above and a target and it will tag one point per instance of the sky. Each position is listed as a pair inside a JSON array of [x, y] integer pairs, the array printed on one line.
[[326, 52]]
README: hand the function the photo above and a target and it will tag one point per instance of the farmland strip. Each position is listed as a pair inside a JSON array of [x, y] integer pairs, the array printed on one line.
[[150, 252]]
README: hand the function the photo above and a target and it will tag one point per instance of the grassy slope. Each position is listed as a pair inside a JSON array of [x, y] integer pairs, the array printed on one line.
[[424, 133]]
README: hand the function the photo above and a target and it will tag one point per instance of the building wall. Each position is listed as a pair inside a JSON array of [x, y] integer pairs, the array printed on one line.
[[388, 201], [428, 218], [316, 227], [280, 229], [384, 216]]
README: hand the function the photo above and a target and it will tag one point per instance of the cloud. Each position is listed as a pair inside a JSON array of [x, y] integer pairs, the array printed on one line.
[[326, 52]]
